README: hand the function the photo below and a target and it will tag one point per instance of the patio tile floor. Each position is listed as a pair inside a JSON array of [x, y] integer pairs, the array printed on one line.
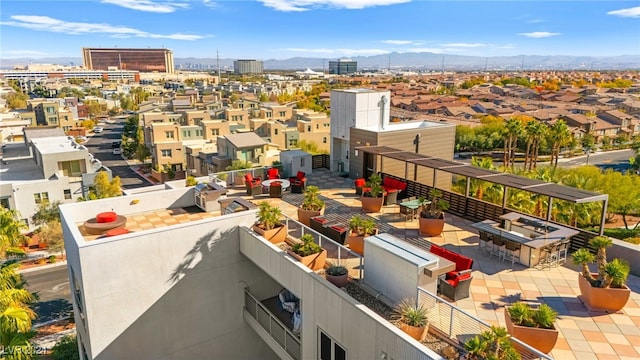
[[584, 335]]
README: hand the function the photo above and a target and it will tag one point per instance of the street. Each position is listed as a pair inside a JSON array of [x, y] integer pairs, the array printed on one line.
[[100, 146], [52, 287]]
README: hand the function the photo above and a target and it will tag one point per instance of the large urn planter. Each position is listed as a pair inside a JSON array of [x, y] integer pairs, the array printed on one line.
[[338, 275], [431, 227], [275, 235], [372, 204], [541, 339], [304, 216], [314, 261], [355, 242], [602, 299]]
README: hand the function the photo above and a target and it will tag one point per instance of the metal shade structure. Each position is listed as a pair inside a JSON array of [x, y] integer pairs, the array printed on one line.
[[539, 187]]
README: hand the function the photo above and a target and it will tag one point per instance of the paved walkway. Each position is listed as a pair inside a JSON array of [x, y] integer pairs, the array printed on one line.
[[584, 335]]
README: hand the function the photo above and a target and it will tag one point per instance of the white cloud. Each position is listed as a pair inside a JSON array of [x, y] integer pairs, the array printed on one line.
[[539, 34], [338, 52], [45, 23], [148, 5], [402, 42], [633, 12], [431, 50], [465, 45], [305, 5]]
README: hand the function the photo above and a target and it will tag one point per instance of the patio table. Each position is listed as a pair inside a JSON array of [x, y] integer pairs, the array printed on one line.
[[411, 207]]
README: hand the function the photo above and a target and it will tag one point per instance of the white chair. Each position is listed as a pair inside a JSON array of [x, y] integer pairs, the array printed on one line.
[[485, 243]]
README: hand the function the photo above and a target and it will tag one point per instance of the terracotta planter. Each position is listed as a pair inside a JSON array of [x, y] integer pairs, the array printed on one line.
[[602, 299], [372, 204], [416, 332], [338, 280], [313, 261], [275, 235], [304, 216], [542, 339], [431, 227], [356, 242]]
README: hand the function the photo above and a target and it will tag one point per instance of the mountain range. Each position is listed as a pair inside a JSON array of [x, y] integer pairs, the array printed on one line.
[[397, 61]]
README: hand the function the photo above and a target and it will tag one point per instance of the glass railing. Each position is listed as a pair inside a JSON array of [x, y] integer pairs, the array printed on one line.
[[278, 331]]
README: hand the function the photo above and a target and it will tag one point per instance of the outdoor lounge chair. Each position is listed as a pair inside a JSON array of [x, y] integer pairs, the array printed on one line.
[[273, 173], [456, 287]]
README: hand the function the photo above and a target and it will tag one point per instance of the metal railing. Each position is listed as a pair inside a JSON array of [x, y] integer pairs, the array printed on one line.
[[460, 325], [334, 250], [235, 177], [278, 331]]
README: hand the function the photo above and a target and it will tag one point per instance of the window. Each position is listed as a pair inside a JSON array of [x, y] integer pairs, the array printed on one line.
[[41, 198], [70, 168], [283, 113], [199, 133], [67, 194], [4, 202], [166, 153], [53, 120], [186, 133], [268, 114], [308, 128], [168, 134], [324, 140], [215, 132], [330, 349], [275, 131], [317, 126], [293, 142]]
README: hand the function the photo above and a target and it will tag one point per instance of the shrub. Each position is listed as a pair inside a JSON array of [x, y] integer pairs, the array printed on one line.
[[65, 349], [337, 270], [491, 344], [306, 247], [51, 259], [522, 314], [409, 312]]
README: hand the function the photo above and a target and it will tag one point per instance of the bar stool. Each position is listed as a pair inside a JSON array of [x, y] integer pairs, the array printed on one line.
[[563, 251], [513, 251], [499, 247], [484, 242]]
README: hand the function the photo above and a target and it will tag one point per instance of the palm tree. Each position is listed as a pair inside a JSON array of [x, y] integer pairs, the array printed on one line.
[[601, 243], [15, 313], [535, 131], [583, 257], [10, 229], [512, 130], [558, 136]]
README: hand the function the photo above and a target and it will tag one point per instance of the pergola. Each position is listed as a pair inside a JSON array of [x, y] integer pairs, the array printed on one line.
[[551, 190]]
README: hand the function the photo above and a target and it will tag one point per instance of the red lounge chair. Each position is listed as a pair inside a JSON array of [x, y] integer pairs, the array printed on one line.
[[273, 173]]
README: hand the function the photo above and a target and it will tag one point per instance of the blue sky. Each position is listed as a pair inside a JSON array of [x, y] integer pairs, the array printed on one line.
[[281, 29]]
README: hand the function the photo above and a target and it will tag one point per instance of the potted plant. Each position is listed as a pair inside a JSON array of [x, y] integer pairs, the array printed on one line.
[[492, 344], [311, 205], [412, 318], [359, 228], [309, 253], [269, 223], [606, 289], [532, 326], [238, 176], [338, 275], [431, 220], [372, 198]]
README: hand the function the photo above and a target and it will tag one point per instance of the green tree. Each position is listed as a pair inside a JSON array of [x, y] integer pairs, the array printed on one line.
[[264, 97], [103, 188], [10, 229], [16, 100], [624, 195], [15, 313], [47, 212], [511, 132], [535, 132]]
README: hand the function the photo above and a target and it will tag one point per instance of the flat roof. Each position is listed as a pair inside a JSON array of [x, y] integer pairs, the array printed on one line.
[[55, 145]]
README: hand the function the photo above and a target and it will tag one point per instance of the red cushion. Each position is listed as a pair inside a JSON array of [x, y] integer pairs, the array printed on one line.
[[452, 274], [276, 183], [463, 263], [387, 182], [402, 185], [320, 219], [116, 231], [453, 282], [338, 228], [360, 182], [300, 175], [106, 217], [437, 250], [248, 177]]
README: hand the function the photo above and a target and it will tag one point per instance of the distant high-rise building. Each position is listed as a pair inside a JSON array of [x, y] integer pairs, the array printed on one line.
[[248, 67], [343, 67], [143, 60]]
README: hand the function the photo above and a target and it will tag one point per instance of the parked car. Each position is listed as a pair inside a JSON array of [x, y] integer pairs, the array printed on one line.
[[98, 129], [115, 144], [117, 151]]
